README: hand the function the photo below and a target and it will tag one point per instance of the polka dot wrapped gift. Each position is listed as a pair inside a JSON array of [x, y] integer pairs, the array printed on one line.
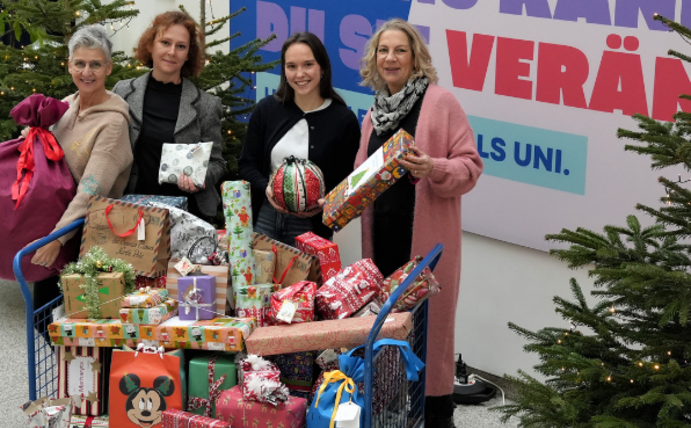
[[298, 185], [191, 160]]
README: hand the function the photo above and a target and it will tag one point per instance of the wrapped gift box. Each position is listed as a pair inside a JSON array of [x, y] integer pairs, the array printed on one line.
[[300, 297], [253, 301], [325, 250], [191, 160], [219, 334], [347, 201], [78, 421], [209, 376], [222, 284], [349, 290], [269, 371], [242, 413], [145, 281], [196, 295], [111, 288], [297, 372], [145, 298], [237, 210], [266, 266], [173, 201], [175, 418], [424, 286], [311, 336], [150, 316], [47, 413], [83, 377]]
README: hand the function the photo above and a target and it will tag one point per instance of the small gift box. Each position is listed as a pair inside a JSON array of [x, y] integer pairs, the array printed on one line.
[[191, 160], [145, 298], [222, 281], [424, 286], [254, 301], [145, 281], [266, 265], [89, 421], [325, 250], [349, 290], [241, 413], [46, 413], [175, 418], [261, 381], [111, 287], [210, 375], [197, 296], [150, 316], [294, 304], [349, 199]]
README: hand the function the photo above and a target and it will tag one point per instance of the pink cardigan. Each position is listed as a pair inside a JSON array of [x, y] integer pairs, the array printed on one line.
[[444, 134]]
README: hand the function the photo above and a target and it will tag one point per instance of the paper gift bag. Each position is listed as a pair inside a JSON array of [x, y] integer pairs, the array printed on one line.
[[143, 386], [111, 291], [266, 266], [349, 199], [292, 265], [191, 160], [83, 377], [138, 234]]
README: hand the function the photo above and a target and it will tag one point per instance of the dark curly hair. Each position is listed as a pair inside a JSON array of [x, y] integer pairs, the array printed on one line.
[[195, 59]]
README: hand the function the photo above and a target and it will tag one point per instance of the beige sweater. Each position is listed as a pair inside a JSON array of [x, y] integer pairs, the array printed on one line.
[[97, 150]]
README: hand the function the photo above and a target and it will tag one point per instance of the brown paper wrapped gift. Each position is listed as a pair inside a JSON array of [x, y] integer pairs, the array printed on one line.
[[111, 290], [112, 225], [304, 267]]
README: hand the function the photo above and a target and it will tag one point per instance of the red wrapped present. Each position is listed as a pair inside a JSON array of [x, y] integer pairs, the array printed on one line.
[[349, 290], [424, 286], [174, 418], [261, 381], [145, 281], [240, 413], [294, 304], [325, 250]]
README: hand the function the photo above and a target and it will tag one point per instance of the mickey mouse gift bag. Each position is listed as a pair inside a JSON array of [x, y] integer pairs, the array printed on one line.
[[142, 386]]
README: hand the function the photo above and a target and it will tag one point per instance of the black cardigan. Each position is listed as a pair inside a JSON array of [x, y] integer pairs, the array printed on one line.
[[334, 139]]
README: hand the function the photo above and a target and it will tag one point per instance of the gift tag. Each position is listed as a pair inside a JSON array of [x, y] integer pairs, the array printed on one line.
[[348, 415], [141, 229], [287, 312]]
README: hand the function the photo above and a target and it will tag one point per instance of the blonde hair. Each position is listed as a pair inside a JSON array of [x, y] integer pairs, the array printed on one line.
[[422, 65]]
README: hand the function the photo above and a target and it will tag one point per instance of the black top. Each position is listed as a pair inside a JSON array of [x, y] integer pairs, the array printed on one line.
[[394, 209], [334, 137], [161, 105]]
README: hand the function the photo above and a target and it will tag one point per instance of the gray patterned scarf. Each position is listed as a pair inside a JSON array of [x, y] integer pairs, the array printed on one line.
[[389, 110]]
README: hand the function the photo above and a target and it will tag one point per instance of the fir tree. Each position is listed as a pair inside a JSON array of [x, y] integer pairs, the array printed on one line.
[[42, 65], [624, 362]]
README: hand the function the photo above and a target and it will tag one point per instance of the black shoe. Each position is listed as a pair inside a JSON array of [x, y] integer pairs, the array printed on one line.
[[440, 423], [439, 412]]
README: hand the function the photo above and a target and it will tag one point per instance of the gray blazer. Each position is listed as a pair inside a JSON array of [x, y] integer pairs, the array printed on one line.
[[199, 119]]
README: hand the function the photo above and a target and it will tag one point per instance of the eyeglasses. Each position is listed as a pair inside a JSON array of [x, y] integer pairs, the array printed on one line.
[[399, 53], [95, 66]]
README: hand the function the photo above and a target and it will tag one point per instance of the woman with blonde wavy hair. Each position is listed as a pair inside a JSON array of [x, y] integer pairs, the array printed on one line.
[[416, 213]]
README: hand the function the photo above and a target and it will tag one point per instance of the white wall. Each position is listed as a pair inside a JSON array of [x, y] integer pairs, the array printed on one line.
[[500, 282]]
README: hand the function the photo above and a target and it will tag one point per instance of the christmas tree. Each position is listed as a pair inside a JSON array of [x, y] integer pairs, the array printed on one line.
[[41, 66], [624, 361]]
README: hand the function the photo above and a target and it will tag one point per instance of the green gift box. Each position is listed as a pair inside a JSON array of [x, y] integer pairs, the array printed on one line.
[[202, 392]]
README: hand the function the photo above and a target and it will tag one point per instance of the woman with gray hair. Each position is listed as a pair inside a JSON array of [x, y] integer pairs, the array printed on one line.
[[94, 134]]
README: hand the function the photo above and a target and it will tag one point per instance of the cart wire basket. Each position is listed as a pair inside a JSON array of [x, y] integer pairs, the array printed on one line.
[[398, 404], [41, 364]]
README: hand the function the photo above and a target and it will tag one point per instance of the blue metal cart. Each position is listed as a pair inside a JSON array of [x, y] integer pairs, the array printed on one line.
[[404, 405]]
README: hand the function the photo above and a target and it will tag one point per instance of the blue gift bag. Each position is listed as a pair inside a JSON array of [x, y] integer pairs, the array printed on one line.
[[339, 386]]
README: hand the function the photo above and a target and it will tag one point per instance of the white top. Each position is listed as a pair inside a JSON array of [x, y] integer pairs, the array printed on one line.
[[295, 142]]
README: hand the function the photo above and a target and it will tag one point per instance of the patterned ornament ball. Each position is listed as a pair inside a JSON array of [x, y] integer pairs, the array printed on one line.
[[298, 185]]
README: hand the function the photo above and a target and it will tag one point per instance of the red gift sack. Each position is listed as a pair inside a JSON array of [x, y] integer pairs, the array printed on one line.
[[36, 187], [298, 300]]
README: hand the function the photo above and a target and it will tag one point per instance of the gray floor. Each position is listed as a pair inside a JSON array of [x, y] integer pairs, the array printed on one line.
[[13, 375]]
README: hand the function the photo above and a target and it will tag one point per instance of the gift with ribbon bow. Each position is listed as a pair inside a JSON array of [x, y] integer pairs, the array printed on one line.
[[348, 291], [261, 381], [209, 376], [36, 187], [197, 296]]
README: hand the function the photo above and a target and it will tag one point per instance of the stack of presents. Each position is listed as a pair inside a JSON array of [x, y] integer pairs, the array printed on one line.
[[172, 323]]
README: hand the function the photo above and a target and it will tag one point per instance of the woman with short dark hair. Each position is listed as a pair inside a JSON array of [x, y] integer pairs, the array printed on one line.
[[306, 119]]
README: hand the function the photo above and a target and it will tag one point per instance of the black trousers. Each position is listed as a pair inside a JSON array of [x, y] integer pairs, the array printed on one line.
[[44, 292]]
